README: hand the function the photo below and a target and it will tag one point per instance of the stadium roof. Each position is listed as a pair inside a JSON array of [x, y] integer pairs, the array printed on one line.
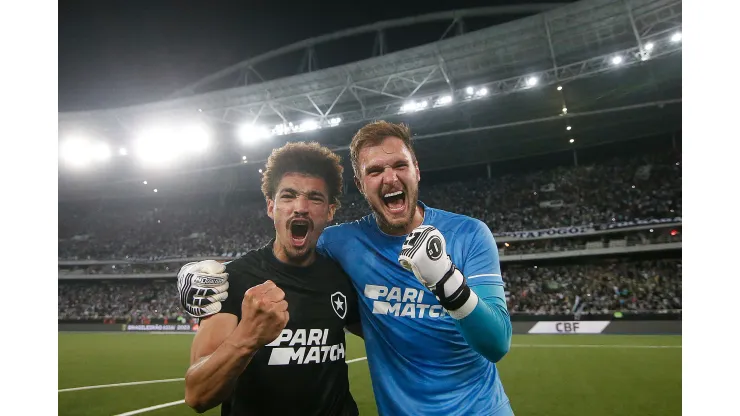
[[618, 63]]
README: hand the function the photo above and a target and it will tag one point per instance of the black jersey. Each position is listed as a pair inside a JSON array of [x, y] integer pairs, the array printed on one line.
[[303, 371]]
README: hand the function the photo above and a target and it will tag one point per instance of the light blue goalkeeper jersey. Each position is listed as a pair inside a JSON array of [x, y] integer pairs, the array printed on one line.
[[419, 362]]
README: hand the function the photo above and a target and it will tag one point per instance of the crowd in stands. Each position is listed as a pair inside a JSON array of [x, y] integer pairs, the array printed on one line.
[[642, 187], [605, 287], [625, 286]]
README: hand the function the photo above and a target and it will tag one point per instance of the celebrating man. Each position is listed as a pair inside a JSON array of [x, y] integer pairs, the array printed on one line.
[[275, 345]]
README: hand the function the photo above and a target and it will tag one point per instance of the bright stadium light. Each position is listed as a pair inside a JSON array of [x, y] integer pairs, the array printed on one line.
[[76, 152], [145, 182], [80, 152], [443, 100], [565, 110], [469, 90], [617, 60], [572, 140], [649, 46], [568, 128], [532, 81], [560, 87], [155, 190], [334, 121], [250, 133], [158, 146], [122, 151], [244, 158], [676, 37], [195, 138], [412, 106], [100, 152], [280, 129], [308, 125], [482, 92]]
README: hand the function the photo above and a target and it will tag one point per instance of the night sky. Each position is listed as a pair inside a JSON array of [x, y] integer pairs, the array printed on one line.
[[117, 53]]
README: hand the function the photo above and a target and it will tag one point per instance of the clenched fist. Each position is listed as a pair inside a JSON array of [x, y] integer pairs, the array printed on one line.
[[264, 314]]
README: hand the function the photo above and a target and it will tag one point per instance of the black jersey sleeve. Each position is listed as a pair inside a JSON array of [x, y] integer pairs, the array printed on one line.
[[233, 303]]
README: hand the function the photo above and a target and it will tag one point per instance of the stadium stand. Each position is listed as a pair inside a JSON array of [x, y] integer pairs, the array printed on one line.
[[566, 196]]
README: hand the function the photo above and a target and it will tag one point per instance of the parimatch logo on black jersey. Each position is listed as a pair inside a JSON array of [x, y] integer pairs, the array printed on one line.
[[304, 346]]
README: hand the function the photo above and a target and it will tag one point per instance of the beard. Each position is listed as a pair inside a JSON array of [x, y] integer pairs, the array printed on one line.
[[398, 228]]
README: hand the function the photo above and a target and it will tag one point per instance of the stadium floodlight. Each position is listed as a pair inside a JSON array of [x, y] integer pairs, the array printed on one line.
[[532, 81], [482, 92], [244, 158], [195, 138], [76, 152], [572, 140], [100, 152], [649, 46], [565, 110], [617, 60], [560, 87], [158, 146], [469, 90], [568, 128], [676, 37], [279, 130], [412, 106], [122, 151], [443, 100], [309, 125], [250, 133], [260, 171], [145, 182], [155, 190], [334, 121]]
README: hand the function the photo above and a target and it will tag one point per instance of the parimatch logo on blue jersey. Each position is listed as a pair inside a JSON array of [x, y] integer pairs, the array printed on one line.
[[402, 302]]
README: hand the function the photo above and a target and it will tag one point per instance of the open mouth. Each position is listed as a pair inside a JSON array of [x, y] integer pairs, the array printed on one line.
[[395, 201], [298, 232]]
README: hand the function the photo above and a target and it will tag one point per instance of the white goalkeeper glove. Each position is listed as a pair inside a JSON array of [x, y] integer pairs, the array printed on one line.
[[424, 253], [202, 287]]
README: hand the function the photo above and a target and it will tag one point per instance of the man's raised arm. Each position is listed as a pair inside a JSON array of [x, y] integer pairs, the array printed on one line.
[[222, 349]]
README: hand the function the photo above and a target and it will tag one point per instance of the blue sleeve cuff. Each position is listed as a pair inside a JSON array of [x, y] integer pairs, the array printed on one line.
[[488, 328]]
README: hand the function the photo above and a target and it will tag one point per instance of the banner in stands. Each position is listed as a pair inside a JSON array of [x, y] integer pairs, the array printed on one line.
[[579, 230], [547, 233], [637, 223], [160, 327], [569, 327]]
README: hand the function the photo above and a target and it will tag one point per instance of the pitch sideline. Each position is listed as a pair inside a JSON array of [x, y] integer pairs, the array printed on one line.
[[167, 380], [177, 402]]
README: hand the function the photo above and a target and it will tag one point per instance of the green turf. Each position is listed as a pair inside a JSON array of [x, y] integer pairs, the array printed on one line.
[[542, 375]]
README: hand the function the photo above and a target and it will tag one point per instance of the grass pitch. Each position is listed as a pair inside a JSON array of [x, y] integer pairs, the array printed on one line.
[[590, 375]]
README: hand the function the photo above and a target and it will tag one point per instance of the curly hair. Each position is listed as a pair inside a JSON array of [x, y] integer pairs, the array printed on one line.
[[374, 133], [311, 159]]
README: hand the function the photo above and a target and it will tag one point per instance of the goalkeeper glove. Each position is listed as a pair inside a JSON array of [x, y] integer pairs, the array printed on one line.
[[202, 287], [424, 253]]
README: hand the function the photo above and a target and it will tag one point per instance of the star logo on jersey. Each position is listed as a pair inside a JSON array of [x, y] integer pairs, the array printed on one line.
[[339, 304]]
